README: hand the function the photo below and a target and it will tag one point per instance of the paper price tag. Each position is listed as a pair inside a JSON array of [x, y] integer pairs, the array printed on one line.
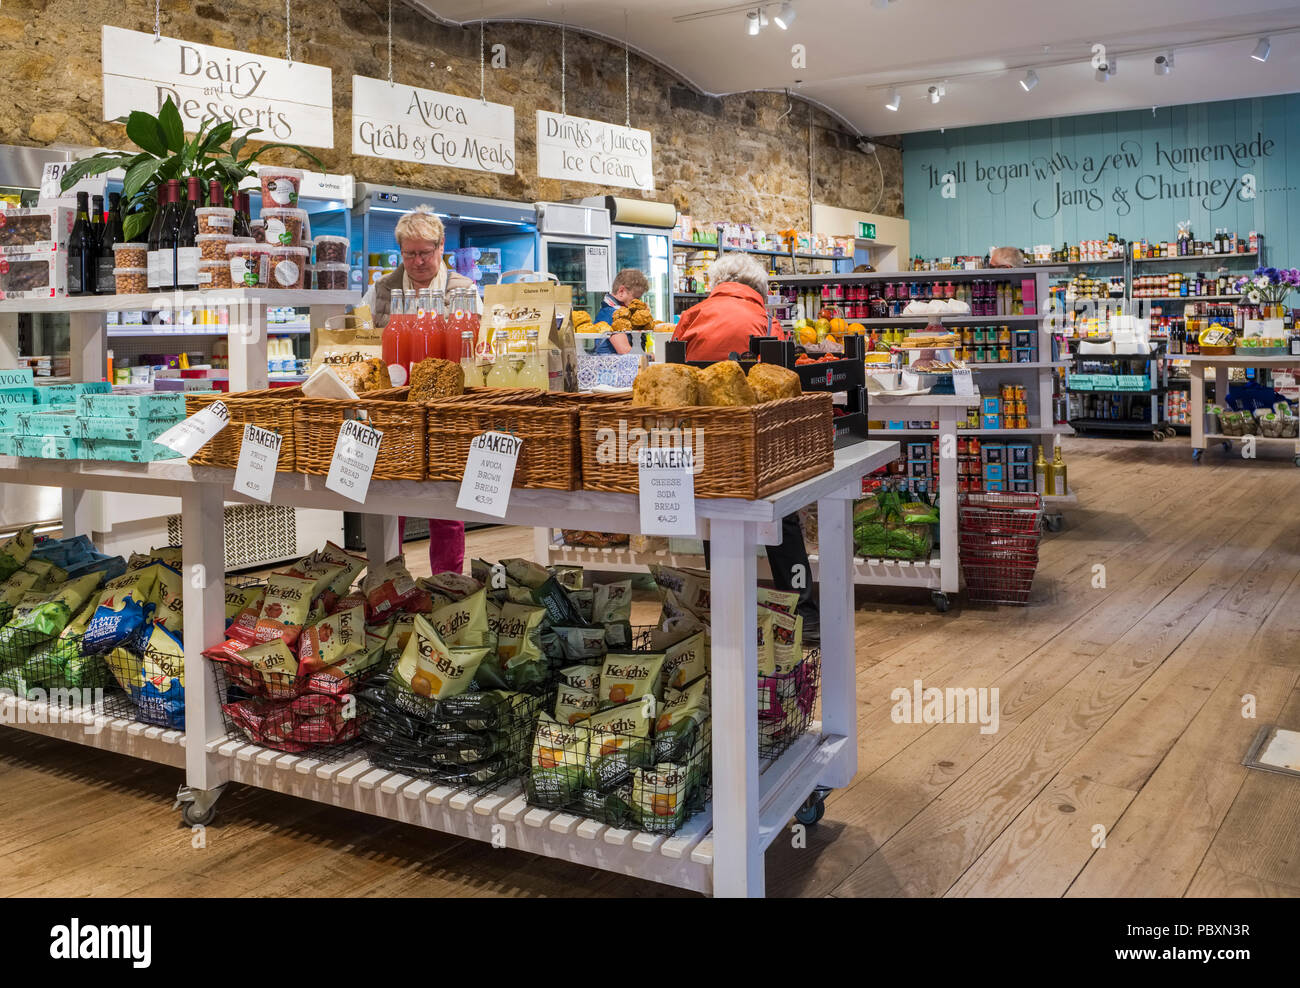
[[489, 472], [259, 454], [354, 460], [597, 269], [667, 481], [51, 193], [911, 381], [188, 437], [963, 382]]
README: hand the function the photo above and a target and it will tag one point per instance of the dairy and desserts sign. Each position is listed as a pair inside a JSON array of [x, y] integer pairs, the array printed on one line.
[[406, 123], [581, 150], [291, 102]]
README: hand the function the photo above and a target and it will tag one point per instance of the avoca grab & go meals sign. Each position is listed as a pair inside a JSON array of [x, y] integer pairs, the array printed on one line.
[[291, 101]]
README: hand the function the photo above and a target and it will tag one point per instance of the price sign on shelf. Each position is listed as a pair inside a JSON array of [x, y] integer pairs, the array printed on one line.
[[259, 455], [190, 436], [52, 194], [667, 482], [489, 472], [354, 460]]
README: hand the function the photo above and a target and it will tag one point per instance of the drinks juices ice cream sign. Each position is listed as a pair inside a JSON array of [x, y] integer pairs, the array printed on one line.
[[582, 150], [291, 101], [406, 123]]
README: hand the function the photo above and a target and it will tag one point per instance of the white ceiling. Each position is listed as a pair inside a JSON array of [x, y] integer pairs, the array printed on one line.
[[978, 49]]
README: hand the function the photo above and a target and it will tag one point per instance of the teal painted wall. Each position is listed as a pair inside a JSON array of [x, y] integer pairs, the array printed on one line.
[[1080, 178]]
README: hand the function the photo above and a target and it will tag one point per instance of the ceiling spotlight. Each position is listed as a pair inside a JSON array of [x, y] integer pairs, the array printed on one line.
[[865, 146], [751, 20], [936, 93], [762, 17], [785, 16], [881, 4], [1164, 63], [1029, 81], [895, 100], [1260, 54], [1105, 70]]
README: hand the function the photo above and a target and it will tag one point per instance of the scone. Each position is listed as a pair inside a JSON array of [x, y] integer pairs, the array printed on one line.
[[622, 325], [771, 382], [665, 385], [434, 378], [724, 383], [365, 375], [581, 318], [622, 312], [642, 318]]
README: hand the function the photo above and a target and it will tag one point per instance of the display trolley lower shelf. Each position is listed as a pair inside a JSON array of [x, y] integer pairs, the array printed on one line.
[[504, 818], [94, 729]]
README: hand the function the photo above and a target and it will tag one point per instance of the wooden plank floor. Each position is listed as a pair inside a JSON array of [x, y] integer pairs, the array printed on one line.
[[1166, 612]]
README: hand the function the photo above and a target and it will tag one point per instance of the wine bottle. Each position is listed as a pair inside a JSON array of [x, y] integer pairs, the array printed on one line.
[[170, 232], [105, 281], [187, 250], [83, 251], [216, 194], [154, 257], [241, 202]]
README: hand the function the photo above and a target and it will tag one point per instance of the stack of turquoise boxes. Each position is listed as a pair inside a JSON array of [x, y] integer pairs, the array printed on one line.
[[84, 421]]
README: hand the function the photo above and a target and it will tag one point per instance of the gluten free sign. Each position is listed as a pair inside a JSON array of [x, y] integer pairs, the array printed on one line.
[[489, 473]]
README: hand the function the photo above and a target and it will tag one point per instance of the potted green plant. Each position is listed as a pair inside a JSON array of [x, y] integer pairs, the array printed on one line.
[[213, 153]]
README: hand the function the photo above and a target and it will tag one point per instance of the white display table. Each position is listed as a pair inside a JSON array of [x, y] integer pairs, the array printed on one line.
[[1198, 363], [719, 851]]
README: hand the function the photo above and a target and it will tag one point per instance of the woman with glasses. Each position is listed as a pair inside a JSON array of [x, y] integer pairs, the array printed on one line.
[[420, 237]]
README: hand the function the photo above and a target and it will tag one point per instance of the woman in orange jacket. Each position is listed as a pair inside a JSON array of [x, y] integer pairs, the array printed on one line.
[[735, 310]]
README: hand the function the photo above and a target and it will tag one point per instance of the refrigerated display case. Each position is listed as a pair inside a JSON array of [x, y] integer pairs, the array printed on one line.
[[503, 233], [642, 239], [576, 249]]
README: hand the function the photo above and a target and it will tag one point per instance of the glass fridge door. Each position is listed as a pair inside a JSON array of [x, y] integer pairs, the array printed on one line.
[[567, 260], [648, 251]]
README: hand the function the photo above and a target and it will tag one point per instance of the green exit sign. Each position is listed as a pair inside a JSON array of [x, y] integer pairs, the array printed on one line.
[[867, 231]]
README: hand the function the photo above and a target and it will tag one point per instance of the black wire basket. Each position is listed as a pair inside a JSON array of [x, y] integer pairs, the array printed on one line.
[[292, 713], [475, 742], [58, 670], [154, 700], [785, 705]]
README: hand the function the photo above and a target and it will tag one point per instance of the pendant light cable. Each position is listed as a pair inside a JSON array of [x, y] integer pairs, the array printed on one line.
[[390, 42], [627, 78], [288, 47], [564, 111], [482, 59], [157, 20]]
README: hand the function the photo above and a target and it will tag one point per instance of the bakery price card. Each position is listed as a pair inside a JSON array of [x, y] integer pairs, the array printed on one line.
[[354, 460], [189, 436], [259, 455], [667, 481], [489, 473]]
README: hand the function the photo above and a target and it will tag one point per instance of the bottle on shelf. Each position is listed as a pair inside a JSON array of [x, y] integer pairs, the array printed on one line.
[[171, 222], [502, 375], [435, 328], [83, 251], [216, 194], [154, 257], [242, 204], [1040, 473], [105, 282], [390, 343], [533, 373], [418, 348], [469, 362], [1056, 474], [187, 228]]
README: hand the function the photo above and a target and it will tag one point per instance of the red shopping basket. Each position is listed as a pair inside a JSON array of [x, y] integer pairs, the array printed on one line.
[[999, 535]]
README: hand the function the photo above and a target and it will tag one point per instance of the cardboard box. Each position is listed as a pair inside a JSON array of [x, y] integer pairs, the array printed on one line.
[[990, 406], [18, 378], [994, 485], [143, 451], [17, 398], [1021, 472], [993, 453], [990, 422], [993, 471], [1021, 487], [1020, 453], [154, 405], [125, 429]]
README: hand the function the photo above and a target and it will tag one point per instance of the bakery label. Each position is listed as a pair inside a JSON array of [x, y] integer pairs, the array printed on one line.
[[489, 473], [406, 123], [259, 455], [190, 436], [581, 150], [667, 490], [291, 101], [963, 383], [354, 460]]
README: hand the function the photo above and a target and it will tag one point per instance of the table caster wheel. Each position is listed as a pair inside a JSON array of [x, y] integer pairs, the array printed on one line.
[[1227, 447], [194, 817], [1170, 432], [813, 809], [1054, 522], [1158, 435], [1196, 455]]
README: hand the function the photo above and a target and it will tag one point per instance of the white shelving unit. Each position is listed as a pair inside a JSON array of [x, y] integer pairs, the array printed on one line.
[[720, 851], [142, 520]]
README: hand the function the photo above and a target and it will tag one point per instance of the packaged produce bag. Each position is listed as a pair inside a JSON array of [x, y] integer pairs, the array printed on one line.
[[341, 348]]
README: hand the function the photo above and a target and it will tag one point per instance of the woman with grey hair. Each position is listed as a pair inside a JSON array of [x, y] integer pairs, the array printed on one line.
[[735, 310]]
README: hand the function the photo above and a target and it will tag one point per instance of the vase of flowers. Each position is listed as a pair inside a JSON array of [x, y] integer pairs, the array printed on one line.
[[1268, 287]]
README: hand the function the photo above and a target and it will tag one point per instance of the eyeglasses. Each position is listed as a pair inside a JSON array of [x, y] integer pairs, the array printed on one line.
[[419, 255]]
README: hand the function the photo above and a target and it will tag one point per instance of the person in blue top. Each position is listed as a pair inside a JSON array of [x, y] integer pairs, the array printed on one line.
[[629, 284]]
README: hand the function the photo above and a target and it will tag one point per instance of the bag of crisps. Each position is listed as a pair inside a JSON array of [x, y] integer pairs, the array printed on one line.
[[389, 588], [573, 705], [429, 670], [660, 797], [284, 608], [243, 625], [16, 550], [678, 720], [124, 606], [685, 661], [618, 740], [629, 676], [331, 640], [558, 765], [463, 621], [455, 586], [352, 565], [170, 610]]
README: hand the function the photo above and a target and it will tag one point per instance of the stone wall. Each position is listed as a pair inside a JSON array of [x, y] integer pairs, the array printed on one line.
[[740, 157]]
